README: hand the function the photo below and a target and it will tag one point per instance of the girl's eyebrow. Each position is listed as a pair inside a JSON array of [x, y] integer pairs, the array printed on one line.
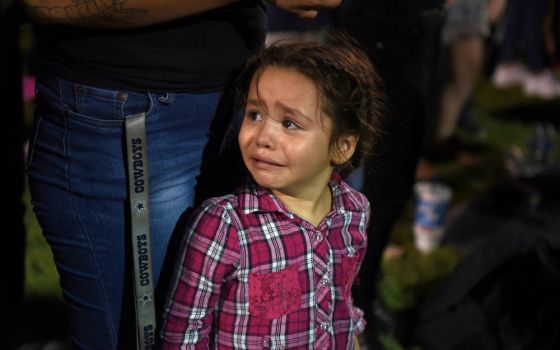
[[293, 111], [254, 102], [257, 103]]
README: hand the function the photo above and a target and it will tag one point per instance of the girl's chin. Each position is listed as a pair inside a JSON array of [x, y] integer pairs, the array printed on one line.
[[266, 182]]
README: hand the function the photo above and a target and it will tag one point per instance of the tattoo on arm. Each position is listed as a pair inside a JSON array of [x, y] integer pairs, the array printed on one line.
[[102, 13]]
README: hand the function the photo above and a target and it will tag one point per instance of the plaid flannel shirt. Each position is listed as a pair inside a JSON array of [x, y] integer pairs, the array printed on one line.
[[253, 275]]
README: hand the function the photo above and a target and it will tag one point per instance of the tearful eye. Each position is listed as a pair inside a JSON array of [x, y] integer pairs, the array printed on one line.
[[254, 116], [288, 124]]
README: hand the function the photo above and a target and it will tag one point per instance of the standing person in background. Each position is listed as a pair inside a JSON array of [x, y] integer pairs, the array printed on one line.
[[402, 39], [525, 20], [271, 265], [160, 68], [466, 25]]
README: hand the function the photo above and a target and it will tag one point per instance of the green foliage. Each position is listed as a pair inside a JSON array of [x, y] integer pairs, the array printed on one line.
[[408, 278], [41, 277], [389, 342], [508, 116], [496, 101]]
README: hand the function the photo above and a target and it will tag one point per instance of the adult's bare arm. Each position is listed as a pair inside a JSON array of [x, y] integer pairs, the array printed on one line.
[[116, 13], [138, 13]]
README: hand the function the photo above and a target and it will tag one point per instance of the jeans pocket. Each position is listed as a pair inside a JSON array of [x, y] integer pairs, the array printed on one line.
[[98, 103], [100, 107], [274, 294], [93, 121]]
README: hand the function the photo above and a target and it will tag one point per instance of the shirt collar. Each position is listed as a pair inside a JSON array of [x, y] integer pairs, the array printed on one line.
[[254, 198]]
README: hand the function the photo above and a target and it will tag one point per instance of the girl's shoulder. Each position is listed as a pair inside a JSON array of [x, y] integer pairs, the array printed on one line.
[[351, 199], [229, 200], [232, 205], [218, 206]]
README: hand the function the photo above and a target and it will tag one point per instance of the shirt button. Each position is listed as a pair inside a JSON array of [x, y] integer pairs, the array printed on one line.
[[325, 280], [325, 326], [319, 237]]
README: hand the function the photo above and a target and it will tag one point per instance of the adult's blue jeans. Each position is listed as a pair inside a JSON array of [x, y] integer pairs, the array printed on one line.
[[77, 175]]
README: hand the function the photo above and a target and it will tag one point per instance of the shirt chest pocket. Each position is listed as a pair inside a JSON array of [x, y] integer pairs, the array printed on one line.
[[349, 272], [274, 294]]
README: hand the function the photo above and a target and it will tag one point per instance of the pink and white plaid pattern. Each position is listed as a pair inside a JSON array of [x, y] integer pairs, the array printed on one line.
[[253, 275]]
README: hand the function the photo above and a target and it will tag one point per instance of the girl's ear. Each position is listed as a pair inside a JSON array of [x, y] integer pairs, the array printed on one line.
[[345, 147]]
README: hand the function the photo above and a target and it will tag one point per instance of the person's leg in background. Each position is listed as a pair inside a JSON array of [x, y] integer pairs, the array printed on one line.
[[404, 51], [514, 29], [464, 29], [540, 82], [389, 177], [526, 18], [534, 36], [509, 71], [466, 62]]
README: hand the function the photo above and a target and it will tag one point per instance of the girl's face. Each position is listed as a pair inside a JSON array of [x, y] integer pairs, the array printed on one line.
[[284, 139]]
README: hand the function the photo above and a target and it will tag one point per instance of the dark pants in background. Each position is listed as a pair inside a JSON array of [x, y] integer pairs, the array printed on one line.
[[404, 47], [525, 22]]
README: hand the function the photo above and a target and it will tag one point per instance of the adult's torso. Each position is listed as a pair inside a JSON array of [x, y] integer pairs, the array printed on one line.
[[192, 54]]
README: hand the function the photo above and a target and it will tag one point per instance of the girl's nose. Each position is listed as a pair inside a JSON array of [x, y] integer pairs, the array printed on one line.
[[266, 134]]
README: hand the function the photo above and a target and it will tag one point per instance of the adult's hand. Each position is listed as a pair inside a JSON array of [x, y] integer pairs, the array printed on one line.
[[305, 8]]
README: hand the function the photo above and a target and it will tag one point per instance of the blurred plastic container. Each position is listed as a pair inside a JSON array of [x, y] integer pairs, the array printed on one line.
[[432, 201]]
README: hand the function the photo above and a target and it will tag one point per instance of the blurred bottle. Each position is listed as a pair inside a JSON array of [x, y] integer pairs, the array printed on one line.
[[432, 202]]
